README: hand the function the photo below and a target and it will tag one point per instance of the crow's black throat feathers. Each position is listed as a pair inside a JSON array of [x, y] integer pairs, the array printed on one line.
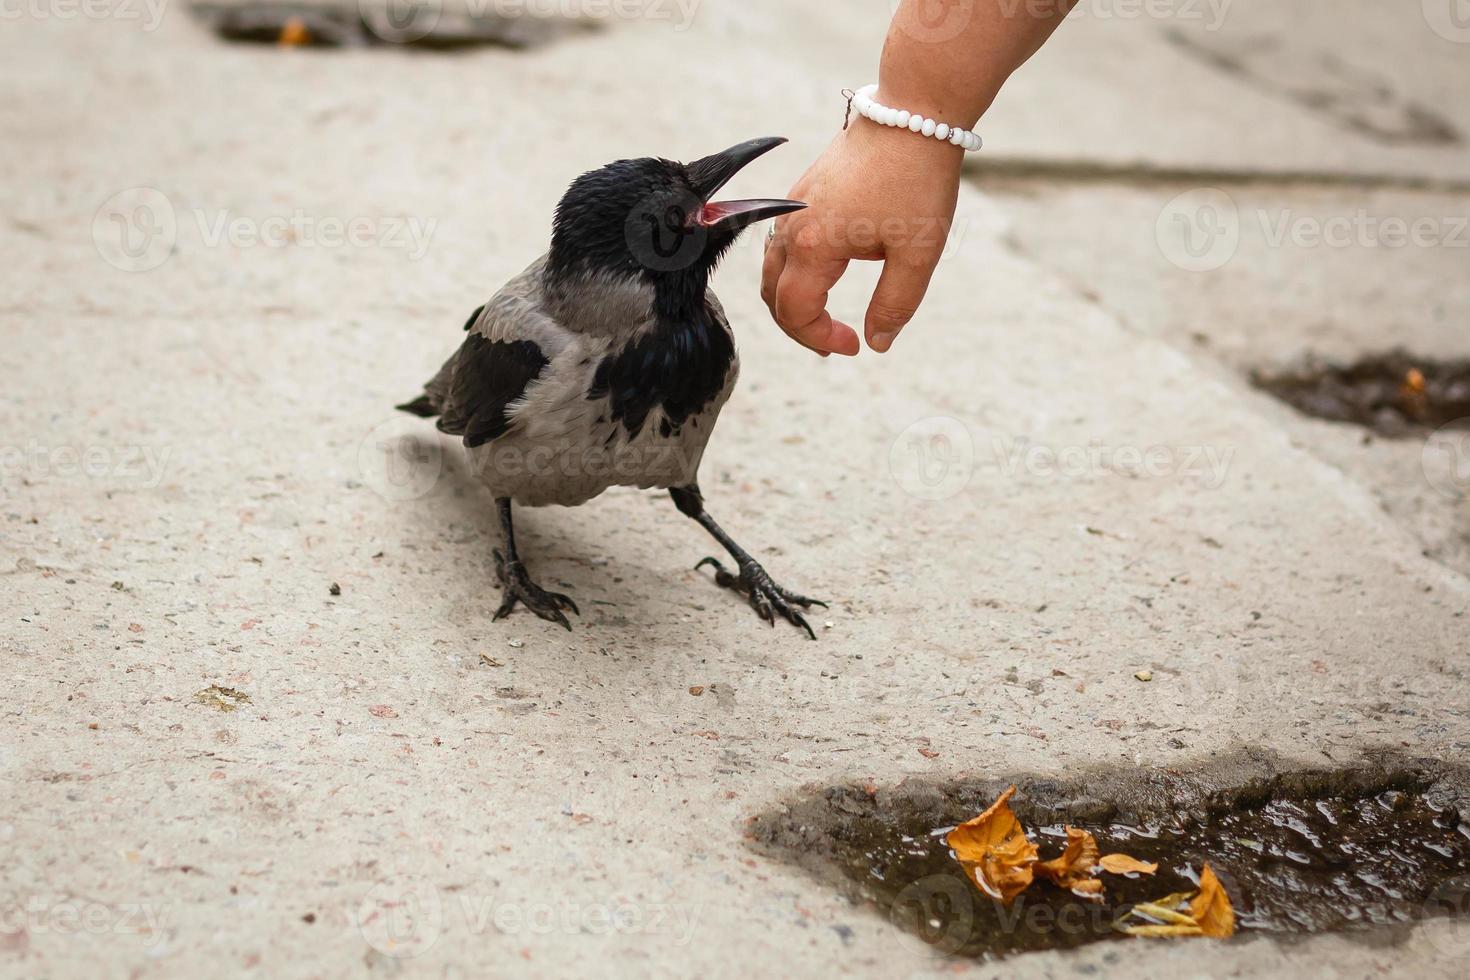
[[682, 364]]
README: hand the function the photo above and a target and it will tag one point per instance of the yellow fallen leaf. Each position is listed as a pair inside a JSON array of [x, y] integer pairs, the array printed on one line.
[[1076, 863], [1211, 907], [1208, 913], [994, 851], [1122, 864], [1163, 932], [1166, 911]]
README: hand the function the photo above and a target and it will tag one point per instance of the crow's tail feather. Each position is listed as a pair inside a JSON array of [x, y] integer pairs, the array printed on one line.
[[422, 406]]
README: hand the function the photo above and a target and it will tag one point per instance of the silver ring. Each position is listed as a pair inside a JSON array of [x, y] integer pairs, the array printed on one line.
[[771, 235]]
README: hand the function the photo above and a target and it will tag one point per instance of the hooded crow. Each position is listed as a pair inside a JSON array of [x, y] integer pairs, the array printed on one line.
[[606, 363]]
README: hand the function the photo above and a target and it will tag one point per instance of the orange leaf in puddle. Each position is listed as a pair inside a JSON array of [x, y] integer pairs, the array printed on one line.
[[1075, 868], [1211, 907], [994, 851], [1089, 888], [382, 711], [1122, 864]]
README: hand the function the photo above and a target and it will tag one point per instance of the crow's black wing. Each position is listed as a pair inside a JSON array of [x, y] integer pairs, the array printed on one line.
[[505, 351], [484, 378]]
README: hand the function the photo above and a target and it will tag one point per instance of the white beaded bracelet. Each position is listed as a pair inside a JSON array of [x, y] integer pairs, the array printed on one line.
[[862, 101]]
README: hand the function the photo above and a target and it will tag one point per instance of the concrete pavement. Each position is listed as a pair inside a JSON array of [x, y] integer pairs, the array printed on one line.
[[198, 451]]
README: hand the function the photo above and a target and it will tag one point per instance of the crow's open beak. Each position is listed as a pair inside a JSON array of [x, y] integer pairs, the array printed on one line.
[[714, 172]]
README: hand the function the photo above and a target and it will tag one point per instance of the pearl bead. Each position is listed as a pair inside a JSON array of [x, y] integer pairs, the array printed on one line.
[[867, 106]]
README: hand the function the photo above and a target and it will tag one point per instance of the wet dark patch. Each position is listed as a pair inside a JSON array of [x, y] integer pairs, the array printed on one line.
[[1361, 851], [396, 23], [1394, 394]]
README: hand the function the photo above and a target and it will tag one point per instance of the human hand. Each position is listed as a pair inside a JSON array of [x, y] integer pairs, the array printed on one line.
[[876, 193]]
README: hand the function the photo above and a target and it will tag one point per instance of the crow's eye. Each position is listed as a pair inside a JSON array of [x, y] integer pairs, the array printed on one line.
[[675, 217]]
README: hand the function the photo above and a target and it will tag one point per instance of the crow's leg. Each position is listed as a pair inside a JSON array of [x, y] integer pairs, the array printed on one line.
[[766, 597], [516, 585]]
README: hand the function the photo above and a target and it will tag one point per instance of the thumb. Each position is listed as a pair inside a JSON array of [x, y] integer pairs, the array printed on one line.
[[901, 289]]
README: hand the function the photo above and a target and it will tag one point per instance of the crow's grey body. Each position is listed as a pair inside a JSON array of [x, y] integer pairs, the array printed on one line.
[[562, 442]]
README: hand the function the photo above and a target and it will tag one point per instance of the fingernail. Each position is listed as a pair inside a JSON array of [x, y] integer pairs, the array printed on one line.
[[883, 339]]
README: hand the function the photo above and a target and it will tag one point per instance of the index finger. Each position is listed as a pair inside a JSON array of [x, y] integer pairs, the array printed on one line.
[[801, 304]]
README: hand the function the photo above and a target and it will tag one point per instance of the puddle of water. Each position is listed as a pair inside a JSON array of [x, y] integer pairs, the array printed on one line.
[[1292, 864], [1393, 394], [351, 25]]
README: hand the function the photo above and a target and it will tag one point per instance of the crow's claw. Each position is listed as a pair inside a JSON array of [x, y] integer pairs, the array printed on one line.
[[766, 597], [516, 586]]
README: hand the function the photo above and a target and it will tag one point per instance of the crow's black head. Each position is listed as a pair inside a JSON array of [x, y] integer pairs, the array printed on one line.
[[654, 219]]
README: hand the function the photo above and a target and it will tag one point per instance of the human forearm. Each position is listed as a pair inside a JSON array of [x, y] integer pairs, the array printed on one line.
[[949, 58]]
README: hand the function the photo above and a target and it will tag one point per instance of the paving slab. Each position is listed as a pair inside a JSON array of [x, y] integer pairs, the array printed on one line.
[[207, 449]]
